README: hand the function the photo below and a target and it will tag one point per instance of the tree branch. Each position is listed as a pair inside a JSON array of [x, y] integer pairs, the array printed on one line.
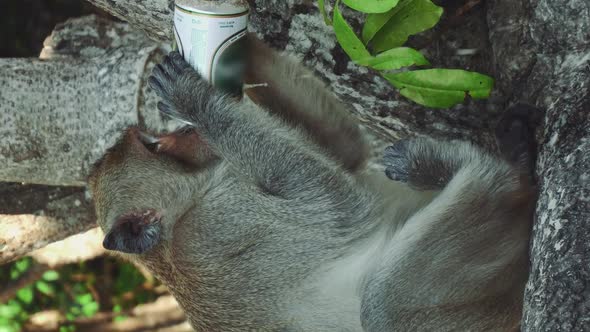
[[162, 315], [59, 116], [21, 234], [76, 248]]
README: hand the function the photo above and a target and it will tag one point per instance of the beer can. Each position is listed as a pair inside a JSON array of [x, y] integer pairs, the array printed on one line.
[[210, 35]]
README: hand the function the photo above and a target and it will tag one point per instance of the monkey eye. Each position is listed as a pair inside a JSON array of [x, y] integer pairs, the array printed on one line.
[[134, 232], [150, 142], [183, 145]]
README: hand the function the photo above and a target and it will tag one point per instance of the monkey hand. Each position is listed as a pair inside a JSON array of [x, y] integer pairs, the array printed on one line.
[[183, 91]]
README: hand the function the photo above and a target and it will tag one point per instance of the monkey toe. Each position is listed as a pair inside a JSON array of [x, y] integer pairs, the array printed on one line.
[[166, 109], [396, 161], [174, 64]]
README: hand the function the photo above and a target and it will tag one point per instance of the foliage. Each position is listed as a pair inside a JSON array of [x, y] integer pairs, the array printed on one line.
[[387, 27], [76, 290]]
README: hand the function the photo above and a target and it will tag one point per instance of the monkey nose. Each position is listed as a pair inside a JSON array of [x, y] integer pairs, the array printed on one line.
[[134, 232]]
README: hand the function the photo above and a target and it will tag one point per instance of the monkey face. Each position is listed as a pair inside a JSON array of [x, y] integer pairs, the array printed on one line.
[[137, 184]]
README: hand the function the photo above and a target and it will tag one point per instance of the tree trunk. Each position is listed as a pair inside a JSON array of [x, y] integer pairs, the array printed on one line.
[[542, 55]]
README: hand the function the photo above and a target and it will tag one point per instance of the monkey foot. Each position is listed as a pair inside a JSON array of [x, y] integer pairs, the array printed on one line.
[[396, 161], [515, 134]]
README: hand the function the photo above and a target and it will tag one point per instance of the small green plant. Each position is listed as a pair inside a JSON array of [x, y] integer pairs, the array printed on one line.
[[75, 290], [387, 27]]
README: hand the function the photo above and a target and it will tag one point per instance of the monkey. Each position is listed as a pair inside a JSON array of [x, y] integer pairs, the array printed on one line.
[[263, 215]]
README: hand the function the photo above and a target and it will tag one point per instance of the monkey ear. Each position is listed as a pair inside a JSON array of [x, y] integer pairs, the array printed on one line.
[[184, 145], [134, 232]]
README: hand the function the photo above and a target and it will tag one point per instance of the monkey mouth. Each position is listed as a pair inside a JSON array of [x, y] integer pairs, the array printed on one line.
[[134, 232], [135, 221]]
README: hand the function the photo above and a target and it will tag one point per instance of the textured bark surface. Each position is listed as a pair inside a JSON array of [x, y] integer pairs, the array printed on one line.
[[59, 218], [542, 55], [32, 216], [297, 27], [59, 114], [153, 17]]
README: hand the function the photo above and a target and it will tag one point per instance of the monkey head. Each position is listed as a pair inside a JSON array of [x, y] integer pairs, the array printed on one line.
[[137, 186]]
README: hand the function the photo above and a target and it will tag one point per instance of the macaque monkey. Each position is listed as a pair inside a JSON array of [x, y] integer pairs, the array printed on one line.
[[264, 217]]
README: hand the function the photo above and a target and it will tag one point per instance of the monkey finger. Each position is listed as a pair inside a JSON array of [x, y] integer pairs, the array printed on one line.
[[172, 113], [161, 74], [155, 84], [178, 62], [170, 67], [166, 109]]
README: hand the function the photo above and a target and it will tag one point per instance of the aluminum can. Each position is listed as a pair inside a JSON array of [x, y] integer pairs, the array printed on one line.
[[210, 35]]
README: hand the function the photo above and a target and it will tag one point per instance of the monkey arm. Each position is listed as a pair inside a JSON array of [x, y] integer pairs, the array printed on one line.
[[285, 88], [256, 144]]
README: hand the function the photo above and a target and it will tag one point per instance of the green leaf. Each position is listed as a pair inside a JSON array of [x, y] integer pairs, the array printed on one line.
[[371, 6], [441, 88], [76, 311], [89, 309], [67, 328], [84, 298], [395, 58], [10, 328], [19, 267], [44, 287], [322, 6], [25, 294], [375, 22], [128, 278], [10, 310], [120, 318], [392, 29], [50, 275], [22, 265], [347, 38]]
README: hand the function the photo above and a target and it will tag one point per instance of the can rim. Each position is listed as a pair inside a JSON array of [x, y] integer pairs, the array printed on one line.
[[227, 11]]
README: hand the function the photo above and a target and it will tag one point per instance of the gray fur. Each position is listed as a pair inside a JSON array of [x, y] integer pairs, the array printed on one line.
[[288, 232]]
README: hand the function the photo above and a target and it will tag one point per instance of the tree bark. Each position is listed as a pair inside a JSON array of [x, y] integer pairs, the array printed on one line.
[[23, 233], [296, 26], [61, 113], [542, 55]]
